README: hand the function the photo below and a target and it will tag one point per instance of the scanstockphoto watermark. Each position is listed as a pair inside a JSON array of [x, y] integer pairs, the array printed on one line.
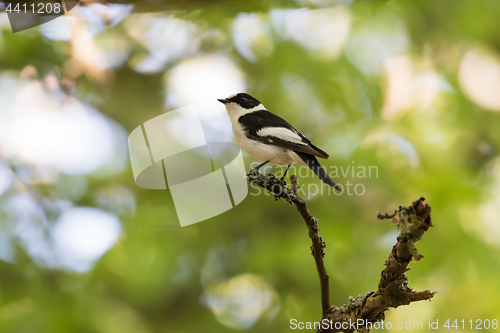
[[352, 325], [26, 14], [198, 172], [349, 178]]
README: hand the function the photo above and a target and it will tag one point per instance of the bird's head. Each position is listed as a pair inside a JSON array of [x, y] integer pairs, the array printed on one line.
[[240, 104]]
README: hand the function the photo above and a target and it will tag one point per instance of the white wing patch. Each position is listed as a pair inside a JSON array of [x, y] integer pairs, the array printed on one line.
[[280, 133]]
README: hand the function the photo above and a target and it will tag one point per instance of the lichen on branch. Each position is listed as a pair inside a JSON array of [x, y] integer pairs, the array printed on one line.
[[393, 290]]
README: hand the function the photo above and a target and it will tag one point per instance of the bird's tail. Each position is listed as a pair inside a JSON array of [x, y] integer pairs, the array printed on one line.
[[314, 165]]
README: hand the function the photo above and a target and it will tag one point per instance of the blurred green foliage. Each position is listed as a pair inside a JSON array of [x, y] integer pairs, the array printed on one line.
[[411, 87]]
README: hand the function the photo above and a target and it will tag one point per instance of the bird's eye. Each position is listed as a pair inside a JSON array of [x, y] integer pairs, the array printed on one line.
[[242, 99]]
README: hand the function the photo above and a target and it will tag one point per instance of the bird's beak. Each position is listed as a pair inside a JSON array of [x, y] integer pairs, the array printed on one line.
[[223, 101]]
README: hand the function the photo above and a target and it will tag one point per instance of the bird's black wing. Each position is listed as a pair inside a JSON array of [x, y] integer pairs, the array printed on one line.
[[269, 128]]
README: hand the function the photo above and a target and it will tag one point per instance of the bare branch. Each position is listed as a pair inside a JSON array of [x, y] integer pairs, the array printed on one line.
[[393, 290]]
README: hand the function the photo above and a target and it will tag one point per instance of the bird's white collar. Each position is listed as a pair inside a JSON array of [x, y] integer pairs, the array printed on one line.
[[235, 111]]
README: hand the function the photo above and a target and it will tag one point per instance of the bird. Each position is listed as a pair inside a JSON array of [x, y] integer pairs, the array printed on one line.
[[270, 139]]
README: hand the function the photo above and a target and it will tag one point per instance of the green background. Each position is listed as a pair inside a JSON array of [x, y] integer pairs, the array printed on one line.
[[410, 87]]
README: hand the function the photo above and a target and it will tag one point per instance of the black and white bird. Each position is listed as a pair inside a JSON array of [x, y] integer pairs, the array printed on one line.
[[271, 139]]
